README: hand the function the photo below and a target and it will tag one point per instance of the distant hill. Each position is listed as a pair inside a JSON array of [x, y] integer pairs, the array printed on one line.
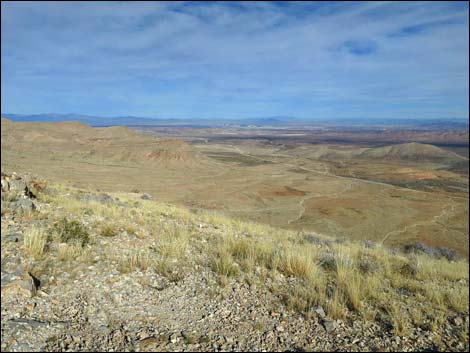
[[413, 151], [116, 143], [87, 119]]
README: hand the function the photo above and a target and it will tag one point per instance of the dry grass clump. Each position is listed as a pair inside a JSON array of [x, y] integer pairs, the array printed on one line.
[[457, 298], [399, 318], [335, 306], [133, 260], [430, 268], [308, 293], [170, 250], [35, 240], [73, 252], [223, 263], [109, 230], [171, 242], [295, 264]]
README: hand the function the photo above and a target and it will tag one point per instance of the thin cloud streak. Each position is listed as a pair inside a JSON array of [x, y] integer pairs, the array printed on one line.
[[232, 60]]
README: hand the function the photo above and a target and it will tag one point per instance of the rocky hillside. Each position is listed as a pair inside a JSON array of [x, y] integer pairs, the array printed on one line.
[[84, 270]]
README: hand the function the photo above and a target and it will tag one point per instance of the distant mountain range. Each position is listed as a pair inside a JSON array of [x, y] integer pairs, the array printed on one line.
[[274, 121]]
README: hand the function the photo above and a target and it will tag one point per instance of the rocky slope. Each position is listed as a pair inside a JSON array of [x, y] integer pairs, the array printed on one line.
[[83, 271]]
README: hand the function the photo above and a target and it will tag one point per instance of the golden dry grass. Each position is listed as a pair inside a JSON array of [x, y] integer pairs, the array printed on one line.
[[372, 282], [35, 240]]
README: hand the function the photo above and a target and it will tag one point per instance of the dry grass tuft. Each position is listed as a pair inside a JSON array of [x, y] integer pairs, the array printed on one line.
[[35, 240]]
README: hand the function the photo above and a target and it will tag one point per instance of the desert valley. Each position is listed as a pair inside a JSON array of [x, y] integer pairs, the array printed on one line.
[[308, 241], [225, 176], [360, 188]]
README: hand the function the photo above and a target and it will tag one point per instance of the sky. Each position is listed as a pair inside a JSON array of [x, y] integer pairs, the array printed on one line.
[[229, 60]]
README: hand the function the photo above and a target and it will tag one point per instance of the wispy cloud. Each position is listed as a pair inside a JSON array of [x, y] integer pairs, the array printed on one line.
[[236, 59]]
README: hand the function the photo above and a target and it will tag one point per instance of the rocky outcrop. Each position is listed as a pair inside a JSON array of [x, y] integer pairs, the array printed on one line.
[[19, 192]]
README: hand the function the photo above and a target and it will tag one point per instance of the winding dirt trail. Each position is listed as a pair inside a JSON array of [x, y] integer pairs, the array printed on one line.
[[325, 173], [446, 211], [305, 198]]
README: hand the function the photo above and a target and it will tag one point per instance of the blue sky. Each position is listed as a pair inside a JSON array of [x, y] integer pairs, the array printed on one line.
[[321, 60]]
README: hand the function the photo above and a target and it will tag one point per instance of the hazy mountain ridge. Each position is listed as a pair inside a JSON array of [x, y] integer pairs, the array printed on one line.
[[431, 124]]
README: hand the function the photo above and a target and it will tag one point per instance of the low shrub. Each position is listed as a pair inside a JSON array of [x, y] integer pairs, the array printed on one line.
[[435, 252], [71, 231]]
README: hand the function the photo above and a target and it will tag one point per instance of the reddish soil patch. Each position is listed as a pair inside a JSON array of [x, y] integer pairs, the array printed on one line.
[[423, 176], [284, 191]]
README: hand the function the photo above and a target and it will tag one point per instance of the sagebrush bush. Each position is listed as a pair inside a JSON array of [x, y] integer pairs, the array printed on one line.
[[71, 231], [436, 252]]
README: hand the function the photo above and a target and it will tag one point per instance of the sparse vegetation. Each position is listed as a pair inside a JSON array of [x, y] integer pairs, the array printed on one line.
[[398, 290], [132, 260], [68, 231], [35, 240], [109, 231]]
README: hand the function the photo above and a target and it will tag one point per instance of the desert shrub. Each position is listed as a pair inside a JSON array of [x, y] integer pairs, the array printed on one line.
[[449, 254], [367, 265], [71, 231], [435, 252], [408, 269], [369, 244], [315, 239], [328, 262]]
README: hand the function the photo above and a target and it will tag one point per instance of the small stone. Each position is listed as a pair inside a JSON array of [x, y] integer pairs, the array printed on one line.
[[329, 325], [26, 205], [143, 335], [149, 343], [17, 185], [173, 338], [319, 310], [458, 321]]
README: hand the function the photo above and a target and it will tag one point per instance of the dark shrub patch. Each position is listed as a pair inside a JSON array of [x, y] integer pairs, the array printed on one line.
[[449, 254], [71, 231]]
